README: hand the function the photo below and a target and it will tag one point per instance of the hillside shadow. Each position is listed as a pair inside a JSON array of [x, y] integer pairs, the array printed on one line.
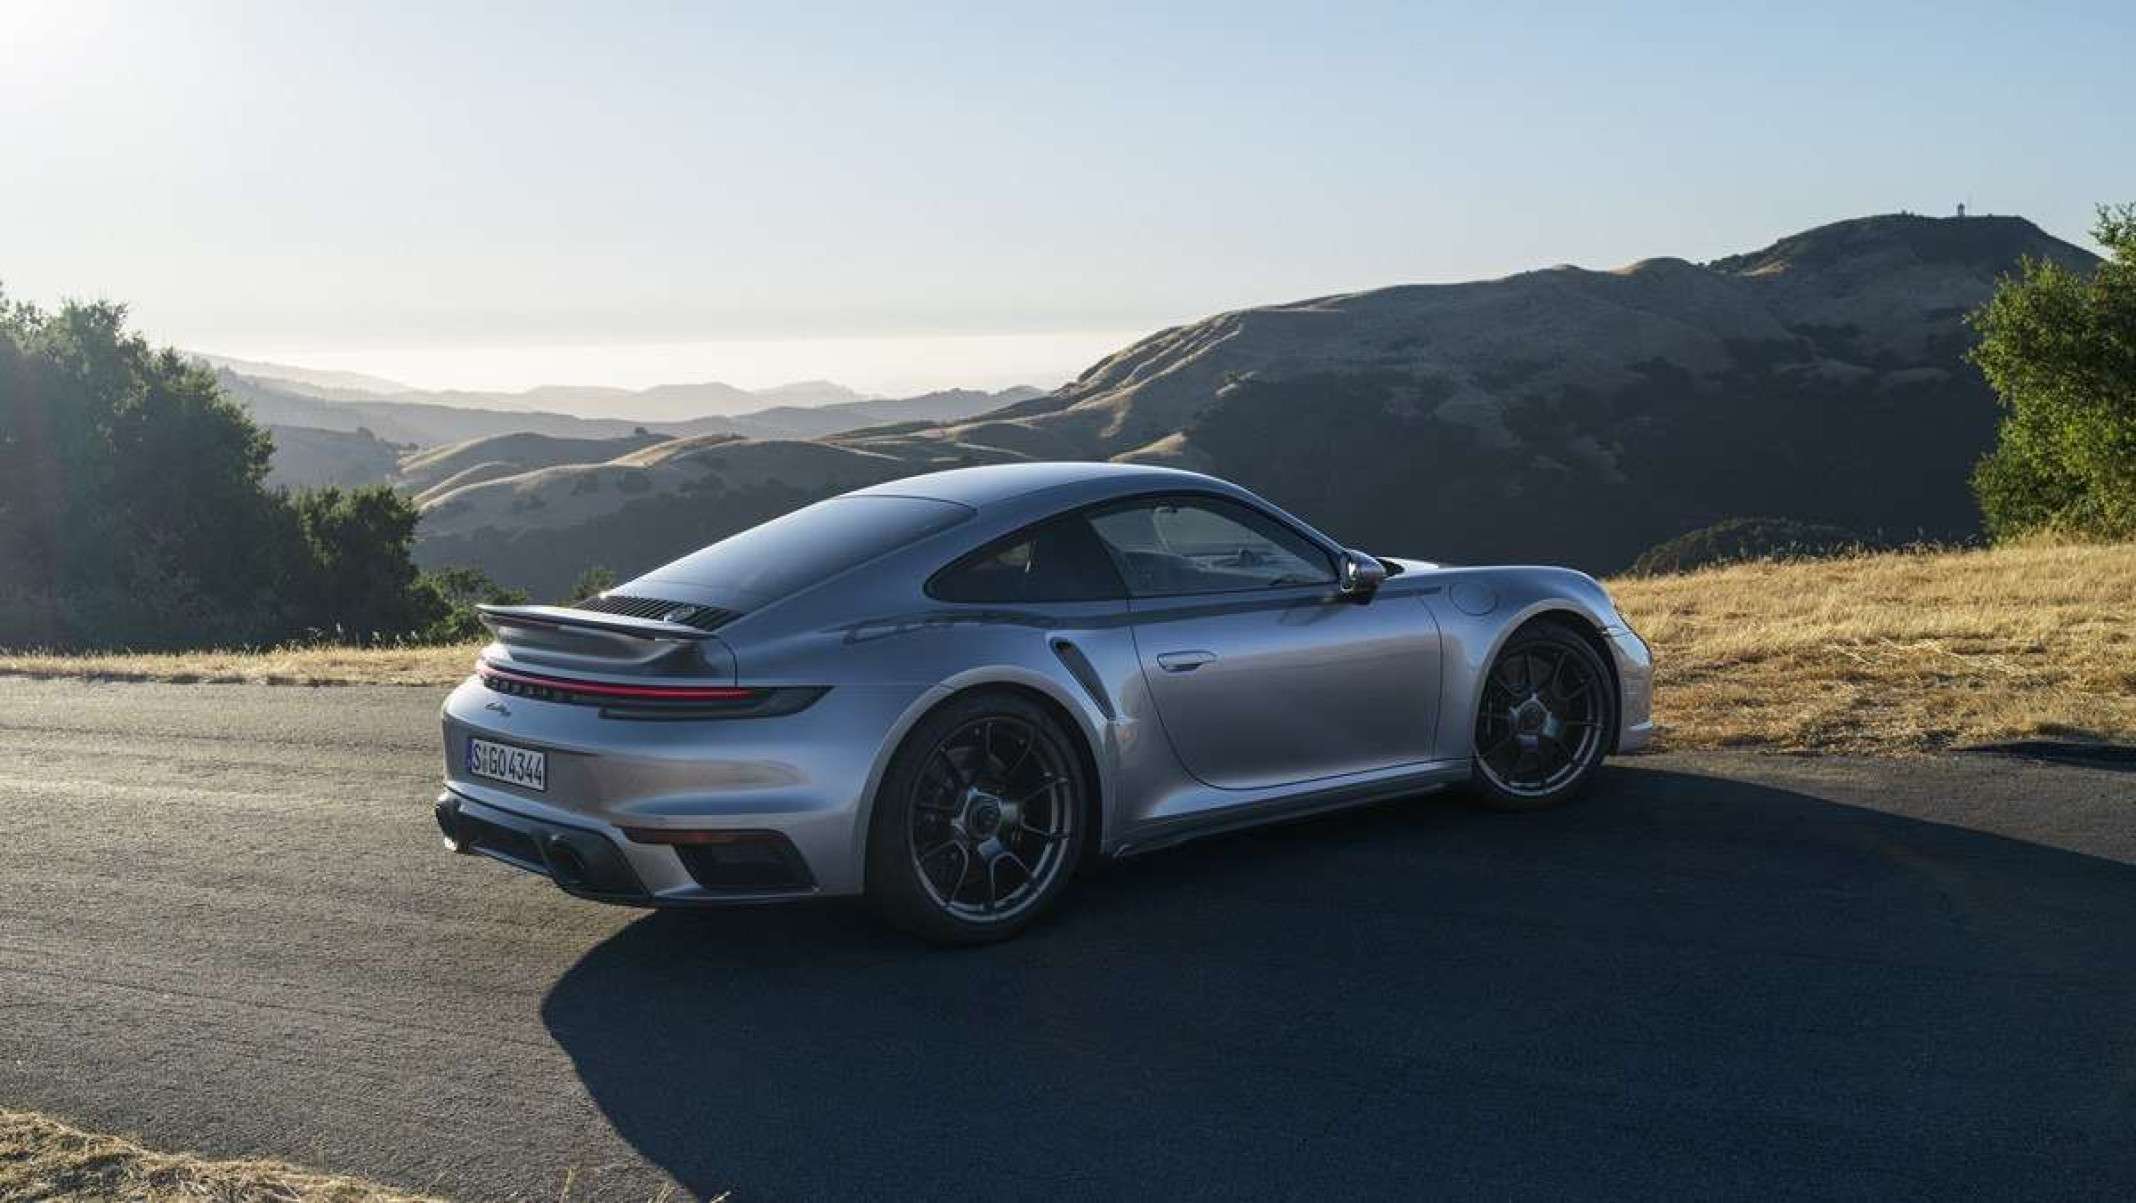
[[1682, 985]]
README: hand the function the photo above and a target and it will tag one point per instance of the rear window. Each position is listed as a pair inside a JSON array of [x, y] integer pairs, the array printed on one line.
[[814, 542], [1059, 561]]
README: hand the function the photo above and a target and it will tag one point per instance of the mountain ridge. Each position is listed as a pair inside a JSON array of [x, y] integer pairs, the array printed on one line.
[[1563, 414]]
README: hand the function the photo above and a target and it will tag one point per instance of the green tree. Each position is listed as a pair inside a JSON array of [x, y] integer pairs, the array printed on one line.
[[134, 513], [2059, 347], [457, 591], [594, 581], [132, 508], [358, 583]]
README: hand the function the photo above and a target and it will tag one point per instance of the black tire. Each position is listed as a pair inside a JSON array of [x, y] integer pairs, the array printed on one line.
[[966, 776], [1544, 720]]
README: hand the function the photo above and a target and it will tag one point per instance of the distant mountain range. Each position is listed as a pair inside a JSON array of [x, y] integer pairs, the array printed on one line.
[[338, 436], [282, 373], [1563, 415], [661, 403]]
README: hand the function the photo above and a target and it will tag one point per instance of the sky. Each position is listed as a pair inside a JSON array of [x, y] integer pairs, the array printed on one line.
[[905, 197]]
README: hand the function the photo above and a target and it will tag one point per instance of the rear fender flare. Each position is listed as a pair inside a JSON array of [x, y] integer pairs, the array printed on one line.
[[1093, 728]]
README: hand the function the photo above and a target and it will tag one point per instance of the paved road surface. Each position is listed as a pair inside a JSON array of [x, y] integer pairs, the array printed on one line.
[[226, 925]]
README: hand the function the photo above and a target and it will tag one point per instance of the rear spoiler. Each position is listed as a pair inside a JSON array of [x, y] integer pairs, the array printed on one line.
[[549, 618]]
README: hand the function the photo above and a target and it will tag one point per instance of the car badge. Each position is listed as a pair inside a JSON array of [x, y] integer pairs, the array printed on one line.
[[500, 708], [679, 614]]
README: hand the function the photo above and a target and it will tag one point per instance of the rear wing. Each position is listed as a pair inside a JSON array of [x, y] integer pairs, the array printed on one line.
[[592, 642], [497, 618]]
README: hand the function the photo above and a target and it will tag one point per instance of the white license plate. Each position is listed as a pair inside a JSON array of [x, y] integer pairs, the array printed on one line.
[[503, 762]]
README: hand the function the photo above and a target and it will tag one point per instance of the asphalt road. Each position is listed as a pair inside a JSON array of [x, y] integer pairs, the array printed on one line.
[[226, 925]]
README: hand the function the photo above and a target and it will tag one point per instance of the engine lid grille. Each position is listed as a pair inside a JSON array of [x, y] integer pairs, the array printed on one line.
[[689, 614]]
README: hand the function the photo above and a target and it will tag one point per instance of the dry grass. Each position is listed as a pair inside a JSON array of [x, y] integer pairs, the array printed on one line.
[[1896, 652], [45, 1160], [1885, 653], [283, 666]]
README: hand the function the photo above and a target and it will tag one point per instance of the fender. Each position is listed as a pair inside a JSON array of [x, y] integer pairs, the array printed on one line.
[[1092, 726]]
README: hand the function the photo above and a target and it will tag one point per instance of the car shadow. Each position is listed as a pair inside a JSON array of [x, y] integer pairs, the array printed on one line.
[[2091, 754], [1682, 985]]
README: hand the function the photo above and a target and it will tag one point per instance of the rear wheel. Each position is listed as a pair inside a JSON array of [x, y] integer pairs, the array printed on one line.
[[978, 823], [1543, 721]]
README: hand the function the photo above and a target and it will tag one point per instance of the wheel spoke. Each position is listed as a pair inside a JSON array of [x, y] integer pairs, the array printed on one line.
[[944, 807], [993, 885], [964, 870], [1040, 834], [1012, 858], [1044, 787], [956, 771], [1557, 763], [1023, 757]]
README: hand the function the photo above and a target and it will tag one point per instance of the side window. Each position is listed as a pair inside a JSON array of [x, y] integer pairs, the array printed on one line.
[[1058, 560], [1172, 545]]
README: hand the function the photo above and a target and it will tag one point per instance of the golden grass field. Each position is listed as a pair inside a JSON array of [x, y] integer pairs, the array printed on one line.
[[46, 1160], [1883, 653], [1896, 652]]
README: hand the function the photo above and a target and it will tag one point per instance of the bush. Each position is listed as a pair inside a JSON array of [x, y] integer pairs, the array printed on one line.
[[591, 583], [1746, 539], [454, 593]]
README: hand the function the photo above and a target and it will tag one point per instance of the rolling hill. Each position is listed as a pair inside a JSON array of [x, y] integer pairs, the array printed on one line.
[[436, 471], [308, 457], [1565, 415]]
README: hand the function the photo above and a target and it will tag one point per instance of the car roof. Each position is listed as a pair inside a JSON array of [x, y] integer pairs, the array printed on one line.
[[993, 483]]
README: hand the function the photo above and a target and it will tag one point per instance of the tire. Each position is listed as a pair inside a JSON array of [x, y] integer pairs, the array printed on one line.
[[1543, 720], [979, 823]]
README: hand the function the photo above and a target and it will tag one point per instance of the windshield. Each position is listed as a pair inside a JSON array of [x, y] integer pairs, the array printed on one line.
[[812, 543]]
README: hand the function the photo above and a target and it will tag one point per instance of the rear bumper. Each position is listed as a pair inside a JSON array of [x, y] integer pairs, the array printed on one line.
[[807, 777], [604, 864]]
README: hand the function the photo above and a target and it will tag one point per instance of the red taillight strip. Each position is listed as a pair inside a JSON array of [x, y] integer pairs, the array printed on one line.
[[660, 693]]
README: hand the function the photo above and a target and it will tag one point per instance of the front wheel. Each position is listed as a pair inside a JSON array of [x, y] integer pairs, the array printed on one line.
[[1543, 720], [978, 823]]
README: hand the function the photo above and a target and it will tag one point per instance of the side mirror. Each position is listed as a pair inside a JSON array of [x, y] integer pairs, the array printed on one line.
[[1360, 575]]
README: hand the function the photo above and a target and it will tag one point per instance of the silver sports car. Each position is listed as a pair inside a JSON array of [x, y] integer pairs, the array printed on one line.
[[947, 692]]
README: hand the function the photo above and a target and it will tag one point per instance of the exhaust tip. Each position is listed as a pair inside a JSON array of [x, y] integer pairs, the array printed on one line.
[[447, 812], [567, 864]]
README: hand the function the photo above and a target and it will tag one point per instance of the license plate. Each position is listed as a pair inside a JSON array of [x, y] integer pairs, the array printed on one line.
[[514, 766]]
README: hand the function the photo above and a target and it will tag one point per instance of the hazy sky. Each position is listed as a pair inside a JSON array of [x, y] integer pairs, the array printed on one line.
[[498, 195]]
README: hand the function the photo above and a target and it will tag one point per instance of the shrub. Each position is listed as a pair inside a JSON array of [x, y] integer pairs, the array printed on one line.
[[1746, 539], [455, 592]]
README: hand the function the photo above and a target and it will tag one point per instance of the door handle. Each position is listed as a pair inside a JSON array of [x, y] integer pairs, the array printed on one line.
[[1183, 662]]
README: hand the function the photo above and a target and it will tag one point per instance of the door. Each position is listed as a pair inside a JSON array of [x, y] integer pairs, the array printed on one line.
[[1262, 673]]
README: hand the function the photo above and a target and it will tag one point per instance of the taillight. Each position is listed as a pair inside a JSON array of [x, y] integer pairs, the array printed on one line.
[[650, 700]]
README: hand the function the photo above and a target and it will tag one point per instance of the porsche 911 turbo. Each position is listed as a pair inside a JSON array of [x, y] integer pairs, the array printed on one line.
[[947, 692]]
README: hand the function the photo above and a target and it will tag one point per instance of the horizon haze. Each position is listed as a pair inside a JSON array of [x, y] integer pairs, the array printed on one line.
[[566, 195]]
